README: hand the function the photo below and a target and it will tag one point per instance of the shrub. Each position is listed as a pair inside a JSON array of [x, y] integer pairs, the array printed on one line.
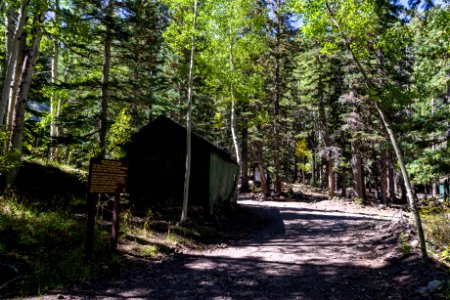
[[50, 246]]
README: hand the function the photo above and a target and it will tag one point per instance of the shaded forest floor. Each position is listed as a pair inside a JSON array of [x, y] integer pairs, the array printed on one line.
[[310, 248]]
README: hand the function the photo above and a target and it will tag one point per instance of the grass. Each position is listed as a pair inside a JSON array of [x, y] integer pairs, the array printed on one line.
[[43, 228], [403, 244], [46, 249], [437, 230], [152, 251]]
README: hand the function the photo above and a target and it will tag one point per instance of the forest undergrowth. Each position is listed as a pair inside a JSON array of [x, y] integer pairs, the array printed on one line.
[[42, 237], [43, 230]]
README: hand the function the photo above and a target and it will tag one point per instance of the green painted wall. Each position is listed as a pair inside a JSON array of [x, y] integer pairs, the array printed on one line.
[[222, 177]]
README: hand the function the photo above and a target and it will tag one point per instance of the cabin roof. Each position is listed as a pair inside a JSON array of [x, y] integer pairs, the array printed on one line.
[[166, 124]]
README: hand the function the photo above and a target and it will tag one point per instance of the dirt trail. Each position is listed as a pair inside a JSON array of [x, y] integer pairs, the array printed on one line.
[[321, 250]]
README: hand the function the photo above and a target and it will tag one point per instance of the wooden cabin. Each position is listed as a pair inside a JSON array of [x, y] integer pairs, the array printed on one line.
[[157, 159]]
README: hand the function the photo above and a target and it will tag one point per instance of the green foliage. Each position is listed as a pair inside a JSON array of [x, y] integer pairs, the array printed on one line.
[[120, 134], [358, 201], [152, 251], [437, 229], [39, 241], [445, 254], [301, 149], [10, 159], [403, 245], [149, 251]]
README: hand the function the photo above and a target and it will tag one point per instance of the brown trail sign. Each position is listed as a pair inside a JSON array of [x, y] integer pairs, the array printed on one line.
[[106, 176]]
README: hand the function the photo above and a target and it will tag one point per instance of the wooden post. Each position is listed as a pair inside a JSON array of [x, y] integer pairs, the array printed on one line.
[[105, 177], [92, 210]]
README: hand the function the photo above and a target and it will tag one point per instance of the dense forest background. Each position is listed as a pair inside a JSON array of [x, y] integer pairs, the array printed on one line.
[[305, 91]]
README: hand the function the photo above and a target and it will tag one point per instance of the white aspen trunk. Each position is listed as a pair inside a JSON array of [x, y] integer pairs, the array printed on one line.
[[12, 60], [184, 209], [54, 104], [233, 128], [409, 191], [15, 87], [233, 110], [24, 88], [10, 25], [54, 101], [9, 30]]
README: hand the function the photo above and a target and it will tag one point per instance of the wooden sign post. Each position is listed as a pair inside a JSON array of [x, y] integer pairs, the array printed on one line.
[[105, 177]]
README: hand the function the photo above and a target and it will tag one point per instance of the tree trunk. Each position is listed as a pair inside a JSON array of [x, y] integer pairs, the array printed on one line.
[[9, 37], [15, 85], [370, 84], [409, 190], [276, 101], [383, 176], [54, 102], [403, 196], [12, 60], [344, 184], [434, 190], [358, 188], [244, 184], [391, 179], [233, 104], [326, 137], [30, 59], [233, 127], [314, 167], [447, 190], [106, 71], [262, 169], [184, 209]]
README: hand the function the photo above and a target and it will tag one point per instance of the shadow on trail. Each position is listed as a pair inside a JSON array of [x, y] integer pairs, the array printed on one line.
[[272, 221], [311, 234], [218, 277], [291, 258]]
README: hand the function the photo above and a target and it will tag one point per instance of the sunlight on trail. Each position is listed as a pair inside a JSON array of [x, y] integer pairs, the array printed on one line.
[[314, 234]]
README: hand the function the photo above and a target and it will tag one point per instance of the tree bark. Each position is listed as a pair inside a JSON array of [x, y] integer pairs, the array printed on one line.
[[9, 36], [314, 167], [262, 169], [15, 84], [344, 184], [357, 170], [447, 190], [325, 134], [383, 176], [54, 101], [233, 127], [106, 72], [391, 179], [184, 209], [12, 59], [233, 102], [244, 184], [276, 100], [409, 191], [29, 64], [370, 84]]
